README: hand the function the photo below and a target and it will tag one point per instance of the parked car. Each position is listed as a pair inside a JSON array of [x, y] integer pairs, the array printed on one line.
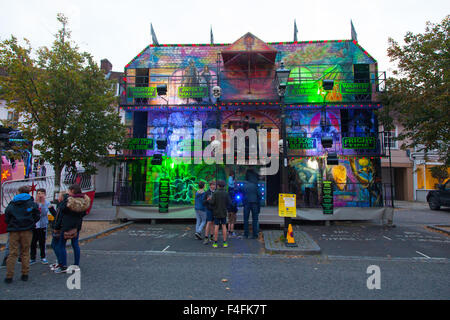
[[440, 197]]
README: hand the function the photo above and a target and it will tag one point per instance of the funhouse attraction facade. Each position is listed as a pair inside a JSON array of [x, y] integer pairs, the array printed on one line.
[[176, 97]]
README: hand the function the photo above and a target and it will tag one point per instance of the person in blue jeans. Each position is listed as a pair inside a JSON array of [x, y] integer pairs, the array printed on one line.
[[200, 210], [72, 210], [252, 203]]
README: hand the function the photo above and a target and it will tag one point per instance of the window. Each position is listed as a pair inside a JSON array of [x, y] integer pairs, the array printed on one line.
[[388, 139], [13, 117]]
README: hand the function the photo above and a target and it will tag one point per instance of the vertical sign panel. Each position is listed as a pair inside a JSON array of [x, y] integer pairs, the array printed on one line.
[[164, 195], [327, 202]]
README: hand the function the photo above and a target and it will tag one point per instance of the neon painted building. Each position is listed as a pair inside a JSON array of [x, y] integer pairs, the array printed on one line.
[[245, 72]]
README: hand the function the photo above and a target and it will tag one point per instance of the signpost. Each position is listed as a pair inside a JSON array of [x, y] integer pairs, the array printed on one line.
[[192, 92], [287, 205], [139, 144], [295, 143], [359, 142], [141, 92]]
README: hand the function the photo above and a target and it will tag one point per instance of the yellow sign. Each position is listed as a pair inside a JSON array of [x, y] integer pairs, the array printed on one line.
[[287, 205]]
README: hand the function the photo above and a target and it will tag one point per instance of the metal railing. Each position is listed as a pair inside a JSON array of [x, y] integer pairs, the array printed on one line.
[[252, 85], [9, 188]]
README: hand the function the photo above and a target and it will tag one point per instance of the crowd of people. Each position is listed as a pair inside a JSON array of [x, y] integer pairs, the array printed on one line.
[[28, 221], [217, 208]]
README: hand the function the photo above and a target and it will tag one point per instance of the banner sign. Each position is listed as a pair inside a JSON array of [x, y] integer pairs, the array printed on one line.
[[302, 89], [327, 202], [192, 92], [359, 142], [355, 88], [295, 143], [139, 144], [164, 195], [141, 92], [287, 205]]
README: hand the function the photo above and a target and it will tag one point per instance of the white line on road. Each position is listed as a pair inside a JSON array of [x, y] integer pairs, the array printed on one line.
[[165, 248], [387, 238], [423, 254]]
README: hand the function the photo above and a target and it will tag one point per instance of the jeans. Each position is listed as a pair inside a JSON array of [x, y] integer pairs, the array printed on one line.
[[39, 235], [254, 208], [55, 248], [63, 253], [201, 220]]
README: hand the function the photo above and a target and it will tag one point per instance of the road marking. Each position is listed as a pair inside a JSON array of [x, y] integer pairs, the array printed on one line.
[[387, 238], [165, 248], [423, 255]]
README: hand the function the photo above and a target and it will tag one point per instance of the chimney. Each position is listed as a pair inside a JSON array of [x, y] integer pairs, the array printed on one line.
[[106, 66]]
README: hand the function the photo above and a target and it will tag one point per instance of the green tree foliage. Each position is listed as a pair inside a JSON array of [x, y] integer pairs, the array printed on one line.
[[65, 101], [440, 173], [418, 93]]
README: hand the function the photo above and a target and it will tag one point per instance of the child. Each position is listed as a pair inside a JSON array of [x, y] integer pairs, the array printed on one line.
[[40, 232], [200, 210], [209, 214], [220, 201], [232, 211]]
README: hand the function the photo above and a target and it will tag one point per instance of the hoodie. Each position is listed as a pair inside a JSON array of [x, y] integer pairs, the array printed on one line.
[[22, 213], [71, 212]]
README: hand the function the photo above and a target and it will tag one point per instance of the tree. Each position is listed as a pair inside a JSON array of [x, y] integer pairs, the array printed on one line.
[[66, 103], [440, 173], [418, 93]]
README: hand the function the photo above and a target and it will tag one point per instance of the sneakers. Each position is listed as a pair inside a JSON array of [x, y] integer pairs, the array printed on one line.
[[206, 240], [44, 261], [32, 261], [225, 244], [215, 245], [53, 266], [61, 269], [8, 280], [24, 277], [198, 236]]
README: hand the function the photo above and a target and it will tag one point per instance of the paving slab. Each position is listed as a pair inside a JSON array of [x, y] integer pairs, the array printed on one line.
[[305, 244]]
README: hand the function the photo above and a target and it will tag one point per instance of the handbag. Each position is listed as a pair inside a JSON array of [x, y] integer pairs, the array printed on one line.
[[72, 233]]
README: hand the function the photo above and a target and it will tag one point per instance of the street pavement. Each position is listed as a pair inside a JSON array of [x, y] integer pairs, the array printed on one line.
[[166, 262]]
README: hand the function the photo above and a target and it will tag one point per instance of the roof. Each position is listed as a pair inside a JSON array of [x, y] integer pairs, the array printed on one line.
[[174, 56]]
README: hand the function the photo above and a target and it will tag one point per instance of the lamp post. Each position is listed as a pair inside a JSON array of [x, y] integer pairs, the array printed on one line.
[[282, 76], [217, 92]]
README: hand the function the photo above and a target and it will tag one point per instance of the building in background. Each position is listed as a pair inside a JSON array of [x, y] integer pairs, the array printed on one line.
[[331, 94]]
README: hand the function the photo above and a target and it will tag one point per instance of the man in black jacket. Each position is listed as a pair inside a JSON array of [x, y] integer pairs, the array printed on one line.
[[252, 202], [21, 215]]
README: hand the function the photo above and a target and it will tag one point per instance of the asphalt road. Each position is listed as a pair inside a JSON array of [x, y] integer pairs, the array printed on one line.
[[166, 262]]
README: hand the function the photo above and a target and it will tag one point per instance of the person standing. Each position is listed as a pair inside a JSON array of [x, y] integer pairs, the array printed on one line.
[[231, 185], [200, 210], [209, 230], [40, 232], [220, 202], [252, 203], [21, 215], [69, 221]]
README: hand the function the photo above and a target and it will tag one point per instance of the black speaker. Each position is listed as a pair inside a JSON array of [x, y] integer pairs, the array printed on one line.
[[157, 159], [161, 89], [161, 144], [327, 142], [327, 84], [332, 159]]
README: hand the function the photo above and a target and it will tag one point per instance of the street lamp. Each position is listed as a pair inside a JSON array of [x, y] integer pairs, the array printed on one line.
[[282, 76]]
